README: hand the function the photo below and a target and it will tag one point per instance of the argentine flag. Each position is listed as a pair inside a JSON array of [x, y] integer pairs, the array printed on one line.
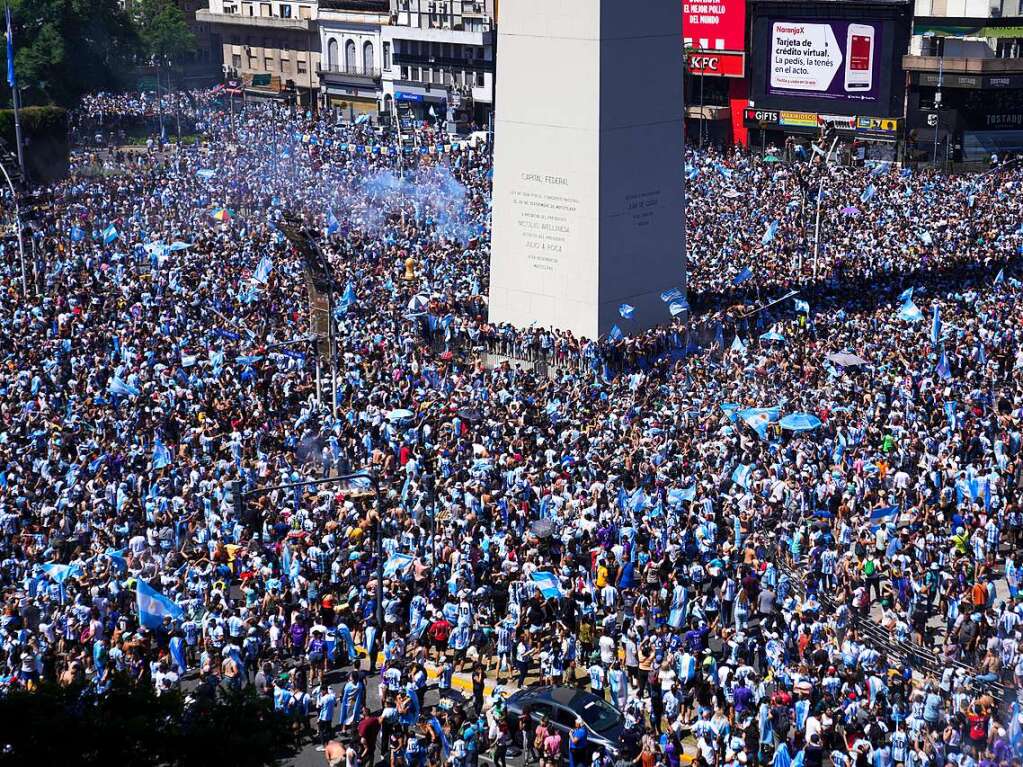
[[742, 475], [547, 583], [154, 607]]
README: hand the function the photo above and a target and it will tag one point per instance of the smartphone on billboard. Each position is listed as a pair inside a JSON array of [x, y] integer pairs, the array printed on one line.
[[859, 57]]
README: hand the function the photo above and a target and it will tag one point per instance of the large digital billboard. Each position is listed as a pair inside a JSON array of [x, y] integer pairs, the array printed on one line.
[[840, 58], [826, 60], [714, 26]]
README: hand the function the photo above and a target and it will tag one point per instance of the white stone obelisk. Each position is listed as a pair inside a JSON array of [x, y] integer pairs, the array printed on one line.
[[588, 164]]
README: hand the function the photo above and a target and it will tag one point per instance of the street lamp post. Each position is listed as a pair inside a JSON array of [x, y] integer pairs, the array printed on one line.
[[17, 223]]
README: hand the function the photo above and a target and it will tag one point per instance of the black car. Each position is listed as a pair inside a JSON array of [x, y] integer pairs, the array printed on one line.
[[561, 706]]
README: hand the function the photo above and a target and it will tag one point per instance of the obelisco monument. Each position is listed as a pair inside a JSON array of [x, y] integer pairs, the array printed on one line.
[[588, 164]]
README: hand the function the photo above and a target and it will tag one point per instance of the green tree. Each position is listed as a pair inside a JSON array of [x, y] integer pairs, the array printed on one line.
[[65, 48], [164, 32], [131, 725]]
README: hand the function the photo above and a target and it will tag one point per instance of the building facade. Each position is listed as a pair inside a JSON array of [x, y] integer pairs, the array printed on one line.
[[270, 47], [354, 54], [965, 66], [442, 60]]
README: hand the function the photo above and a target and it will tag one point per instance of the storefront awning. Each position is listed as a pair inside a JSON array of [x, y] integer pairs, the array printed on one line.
[[929, 29], [1001, 32]]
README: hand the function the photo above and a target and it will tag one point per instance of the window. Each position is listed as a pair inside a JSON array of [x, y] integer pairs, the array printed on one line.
[[404, 73], [387, 56], [414, 73], [367, 58], [268, 63], [304, 12], [332, 51], [265, 9], [350, 56], [236, 60], [302, 67], [285, 66], [479, 80], [285, 11]]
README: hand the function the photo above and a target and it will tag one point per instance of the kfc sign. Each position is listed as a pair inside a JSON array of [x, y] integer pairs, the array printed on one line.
[[716, 64]]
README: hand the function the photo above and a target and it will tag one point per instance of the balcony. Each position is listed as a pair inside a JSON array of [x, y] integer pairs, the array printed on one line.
[[442, 62], [255, 22], [344, 75], [962, 66]]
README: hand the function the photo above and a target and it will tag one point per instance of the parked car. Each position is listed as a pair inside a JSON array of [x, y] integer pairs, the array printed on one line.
[[561, 706]]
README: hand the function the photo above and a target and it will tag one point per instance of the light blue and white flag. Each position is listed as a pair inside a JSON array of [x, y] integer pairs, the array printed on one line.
[[738, 345], [909, 312], [742, 475], [117, 386], [906, 295], [769, 233], [868, 193], [742, 276], [60, 573], [615, 334], [263, 269], [153, 606], [161, 455], [677, 307], [626, 311], [547, 583], [396, 563], [110, 234], [802, 306]]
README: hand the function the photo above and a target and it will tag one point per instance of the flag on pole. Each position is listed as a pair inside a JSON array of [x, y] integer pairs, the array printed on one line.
[[942, 368], [1000, 277], [772, 230], [905, 295], [868, 193], [154, 607], [936, 325], [110, 234], [11, 79], [677, 307], [615, 334], [626, 311], [672, 294]]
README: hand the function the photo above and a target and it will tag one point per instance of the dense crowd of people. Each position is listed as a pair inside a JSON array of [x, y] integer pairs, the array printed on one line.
[[710, 533]]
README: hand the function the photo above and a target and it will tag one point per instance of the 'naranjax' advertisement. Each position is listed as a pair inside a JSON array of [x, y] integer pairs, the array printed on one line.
[[825, 60]]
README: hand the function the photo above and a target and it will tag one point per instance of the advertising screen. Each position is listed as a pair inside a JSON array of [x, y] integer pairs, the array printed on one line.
[[831, 60], [714, 26]]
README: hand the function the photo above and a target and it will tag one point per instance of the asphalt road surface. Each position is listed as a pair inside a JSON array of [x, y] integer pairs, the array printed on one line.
[[310, 757]]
